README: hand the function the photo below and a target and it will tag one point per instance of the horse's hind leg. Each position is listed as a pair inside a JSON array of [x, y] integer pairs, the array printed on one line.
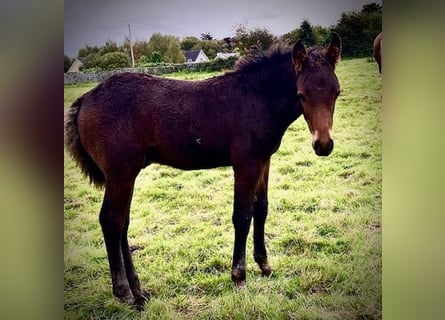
[[113, 220], [259, 219], [132, 276]]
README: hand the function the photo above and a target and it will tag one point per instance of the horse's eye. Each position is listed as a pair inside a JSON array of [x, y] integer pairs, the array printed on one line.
[[300, 96], [337, 94]]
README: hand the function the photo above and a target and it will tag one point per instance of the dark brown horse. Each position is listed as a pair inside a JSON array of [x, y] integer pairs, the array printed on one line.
[[238, 119], [377, 50]]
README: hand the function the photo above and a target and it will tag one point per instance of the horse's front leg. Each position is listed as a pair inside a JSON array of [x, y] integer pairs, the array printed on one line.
[[246, 178], [259, 219]]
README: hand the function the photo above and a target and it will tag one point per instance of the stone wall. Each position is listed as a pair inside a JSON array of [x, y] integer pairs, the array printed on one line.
[[70, 78]]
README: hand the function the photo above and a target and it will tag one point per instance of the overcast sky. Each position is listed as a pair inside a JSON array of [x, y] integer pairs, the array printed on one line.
[[93, 22]]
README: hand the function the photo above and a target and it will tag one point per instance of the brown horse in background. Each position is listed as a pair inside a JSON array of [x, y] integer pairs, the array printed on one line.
[[237, 119], [377, 50]]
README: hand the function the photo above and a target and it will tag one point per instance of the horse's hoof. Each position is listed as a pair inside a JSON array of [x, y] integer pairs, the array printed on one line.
[[240, 285], [266, 271], [140, 300], [139, 303]]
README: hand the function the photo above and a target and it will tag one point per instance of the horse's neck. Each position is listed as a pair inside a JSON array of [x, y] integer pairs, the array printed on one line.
[[278, 85]]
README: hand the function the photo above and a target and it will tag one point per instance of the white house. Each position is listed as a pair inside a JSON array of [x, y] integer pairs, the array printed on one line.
[[195, 56], [222, 55]]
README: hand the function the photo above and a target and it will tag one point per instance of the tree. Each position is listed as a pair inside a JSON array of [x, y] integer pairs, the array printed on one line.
[[93, 55], [156, 57], [142, 61], [114, 60], [189, 42], [245, 40], [110, 46], [140, 48], [358, 30], [206, 36], [371, 8], [306, 34], [88, 50], [227, 44], [91, 61], [174, 53], [292, 36], [67, 62], [321, 35], [168, 46]]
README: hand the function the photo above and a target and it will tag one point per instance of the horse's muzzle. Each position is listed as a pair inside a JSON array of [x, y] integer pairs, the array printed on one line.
[[323, 148]]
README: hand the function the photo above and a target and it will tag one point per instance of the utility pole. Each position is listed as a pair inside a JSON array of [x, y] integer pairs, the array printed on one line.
[[131, 48]]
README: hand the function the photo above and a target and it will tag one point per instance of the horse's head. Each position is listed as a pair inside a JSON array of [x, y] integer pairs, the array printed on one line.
[[318, 89]]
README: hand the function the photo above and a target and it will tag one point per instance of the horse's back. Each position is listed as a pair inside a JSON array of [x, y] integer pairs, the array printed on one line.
[[143, 119]]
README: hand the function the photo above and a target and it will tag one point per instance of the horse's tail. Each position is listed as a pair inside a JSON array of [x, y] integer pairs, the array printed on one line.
[[76, 149]]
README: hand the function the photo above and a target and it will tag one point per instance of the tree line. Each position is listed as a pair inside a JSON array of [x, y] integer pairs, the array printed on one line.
[[357, 29]]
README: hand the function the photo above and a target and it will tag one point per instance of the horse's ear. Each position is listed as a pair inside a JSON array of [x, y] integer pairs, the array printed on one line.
[[298, 54], [334, 49]]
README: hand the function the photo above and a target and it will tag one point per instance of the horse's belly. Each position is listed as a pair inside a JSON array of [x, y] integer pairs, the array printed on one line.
[[191, 157]]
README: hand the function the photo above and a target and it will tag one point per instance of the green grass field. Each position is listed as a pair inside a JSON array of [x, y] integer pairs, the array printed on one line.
[[323, 231]]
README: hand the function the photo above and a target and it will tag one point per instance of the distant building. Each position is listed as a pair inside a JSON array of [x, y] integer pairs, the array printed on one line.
[[195, 56], [222, 55], [76, 65]]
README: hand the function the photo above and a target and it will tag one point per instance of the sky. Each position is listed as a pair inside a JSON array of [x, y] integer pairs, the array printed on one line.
[[93, 22]]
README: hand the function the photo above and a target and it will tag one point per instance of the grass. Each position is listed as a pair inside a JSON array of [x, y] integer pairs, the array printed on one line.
[[323, 232], [190, 75]]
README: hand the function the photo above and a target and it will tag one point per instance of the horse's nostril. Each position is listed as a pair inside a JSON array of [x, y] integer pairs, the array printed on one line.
[[316, 145], [318, 148]]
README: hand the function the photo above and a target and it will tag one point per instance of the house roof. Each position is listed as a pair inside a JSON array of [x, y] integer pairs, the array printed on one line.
[[191, 54], [75, 66]]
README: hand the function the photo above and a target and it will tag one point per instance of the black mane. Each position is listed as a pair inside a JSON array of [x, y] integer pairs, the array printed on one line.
[[256, 59]]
